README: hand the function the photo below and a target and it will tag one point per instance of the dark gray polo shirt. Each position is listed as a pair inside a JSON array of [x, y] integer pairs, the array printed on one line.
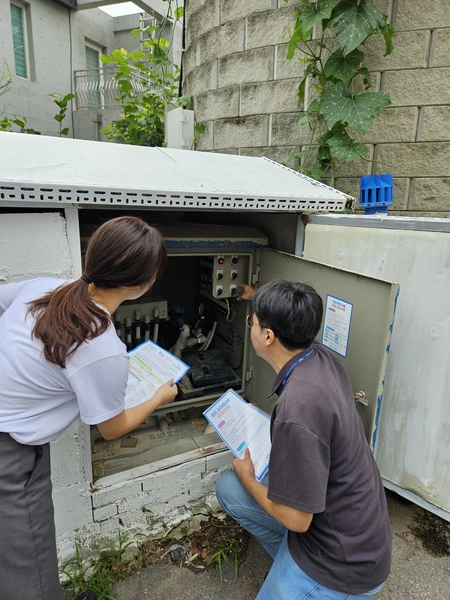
[[321, 463]]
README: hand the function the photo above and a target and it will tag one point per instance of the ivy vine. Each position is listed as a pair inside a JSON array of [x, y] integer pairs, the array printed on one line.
[[334, 66]]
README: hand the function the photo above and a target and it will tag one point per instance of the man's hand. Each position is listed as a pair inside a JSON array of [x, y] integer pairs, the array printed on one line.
[[244, 469], [247, 292], [291, 518]]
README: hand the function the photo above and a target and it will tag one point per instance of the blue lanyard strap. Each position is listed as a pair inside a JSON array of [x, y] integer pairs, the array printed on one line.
[[310, 352]]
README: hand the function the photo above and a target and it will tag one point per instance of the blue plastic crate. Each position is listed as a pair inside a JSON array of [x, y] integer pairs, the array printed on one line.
[[376, 193]]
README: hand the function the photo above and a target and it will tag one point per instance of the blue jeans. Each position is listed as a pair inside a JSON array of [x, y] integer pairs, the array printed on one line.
[[285, 580]]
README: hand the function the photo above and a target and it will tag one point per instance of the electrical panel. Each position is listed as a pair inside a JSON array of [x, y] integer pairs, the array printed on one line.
[[193, 312], [223, 275]]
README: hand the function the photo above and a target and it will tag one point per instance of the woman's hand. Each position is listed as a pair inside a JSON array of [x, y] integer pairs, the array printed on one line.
[[130, 418], [166, 393], [247, 292]]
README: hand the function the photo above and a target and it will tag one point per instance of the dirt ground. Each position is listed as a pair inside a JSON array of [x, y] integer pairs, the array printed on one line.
[[421, 554], [420, 567]]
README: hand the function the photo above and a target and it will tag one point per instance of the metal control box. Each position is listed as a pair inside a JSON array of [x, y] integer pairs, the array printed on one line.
[[224, 274], [227, 220]]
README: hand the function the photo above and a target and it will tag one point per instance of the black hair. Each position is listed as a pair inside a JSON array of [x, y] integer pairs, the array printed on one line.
[[292, 310]]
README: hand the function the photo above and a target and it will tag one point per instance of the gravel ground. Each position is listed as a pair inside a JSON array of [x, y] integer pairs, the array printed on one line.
[[420, 566]]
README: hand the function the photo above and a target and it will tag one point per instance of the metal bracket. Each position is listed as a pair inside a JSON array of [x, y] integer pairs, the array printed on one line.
[[361, 398]]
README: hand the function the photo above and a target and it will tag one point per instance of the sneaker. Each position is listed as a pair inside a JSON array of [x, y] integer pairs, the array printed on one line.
[[87, 595]]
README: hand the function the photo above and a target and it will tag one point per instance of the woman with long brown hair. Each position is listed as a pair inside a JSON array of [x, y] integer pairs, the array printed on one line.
[[60, 359]]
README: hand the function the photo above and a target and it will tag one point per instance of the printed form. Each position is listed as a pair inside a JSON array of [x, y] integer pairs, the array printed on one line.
[[150, 367], [242, 425]]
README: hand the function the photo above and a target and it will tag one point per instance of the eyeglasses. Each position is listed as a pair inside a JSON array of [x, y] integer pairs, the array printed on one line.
[[249, 322]]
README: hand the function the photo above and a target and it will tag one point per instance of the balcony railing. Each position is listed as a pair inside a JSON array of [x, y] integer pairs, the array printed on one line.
[[97, 88]]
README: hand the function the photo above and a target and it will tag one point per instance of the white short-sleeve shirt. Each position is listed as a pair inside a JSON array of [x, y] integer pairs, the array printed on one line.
[[38, 399]]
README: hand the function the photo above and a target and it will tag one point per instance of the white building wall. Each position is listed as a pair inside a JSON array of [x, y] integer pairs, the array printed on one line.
[[57, 38]]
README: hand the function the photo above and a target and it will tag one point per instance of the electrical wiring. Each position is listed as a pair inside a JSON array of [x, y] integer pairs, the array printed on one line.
[[231, 313]]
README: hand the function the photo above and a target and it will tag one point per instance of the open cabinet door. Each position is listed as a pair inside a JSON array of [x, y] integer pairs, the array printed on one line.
[[357, 326]]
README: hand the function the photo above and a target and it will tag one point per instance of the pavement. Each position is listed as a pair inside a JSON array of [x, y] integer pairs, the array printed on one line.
[[420, 566]]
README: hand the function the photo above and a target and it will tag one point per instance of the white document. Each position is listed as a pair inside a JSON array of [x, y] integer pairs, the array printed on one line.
[[150, 367], [242, 425], [336, 324]]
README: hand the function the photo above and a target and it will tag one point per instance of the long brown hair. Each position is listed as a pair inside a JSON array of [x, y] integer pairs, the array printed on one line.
[[123, 252]]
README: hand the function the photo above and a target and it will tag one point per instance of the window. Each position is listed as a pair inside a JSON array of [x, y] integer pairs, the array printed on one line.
[[19, 34], [94, 79]]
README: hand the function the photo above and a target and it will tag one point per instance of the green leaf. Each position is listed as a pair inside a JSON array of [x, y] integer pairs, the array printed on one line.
[[136, 55], [365, 74], [306, 119], [125, 85], [313, 108], [179, 12], [316, 172], [343, 67], [118, 56], [19, 122], [295, 37], [5, 124], [291, 48], [354, 22], [301, 89], [310, 71], [388, 33], [307, 18], [358, 111], [314, 13], [343, 147], [185, 101], [65, 131]]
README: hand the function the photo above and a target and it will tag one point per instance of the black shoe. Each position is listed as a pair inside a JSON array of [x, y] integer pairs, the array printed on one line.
[[87, 595]]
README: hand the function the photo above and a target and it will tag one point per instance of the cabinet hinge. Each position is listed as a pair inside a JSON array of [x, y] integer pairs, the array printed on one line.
[[255, 276]]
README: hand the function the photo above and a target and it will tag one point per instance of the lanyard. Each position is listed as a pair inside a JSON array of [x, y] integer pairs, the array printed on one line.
[[297, 362]]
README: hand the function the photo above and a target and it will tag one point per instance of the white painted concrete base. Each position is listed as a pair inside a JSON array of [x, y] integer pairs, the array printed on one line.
[[148, 504]]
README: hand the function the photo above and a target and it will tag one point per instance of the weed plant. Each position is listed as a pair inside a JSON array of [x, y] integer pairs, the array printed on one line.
[[218, 542]]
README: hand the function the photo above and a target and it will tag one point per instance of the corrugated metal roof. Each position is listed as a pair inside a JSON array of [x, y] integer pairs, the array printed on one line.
[[50, 169]]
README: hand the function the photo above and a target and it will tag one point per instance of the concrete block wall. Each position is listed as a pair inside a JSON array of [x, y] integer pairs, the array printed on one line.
[[244, 92], [149, 505]]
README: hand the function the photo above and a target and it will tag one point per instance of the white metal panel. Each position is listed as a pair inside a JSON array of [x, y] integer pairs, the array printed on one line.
[[43, 169], [413, 450], [34, 245]]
